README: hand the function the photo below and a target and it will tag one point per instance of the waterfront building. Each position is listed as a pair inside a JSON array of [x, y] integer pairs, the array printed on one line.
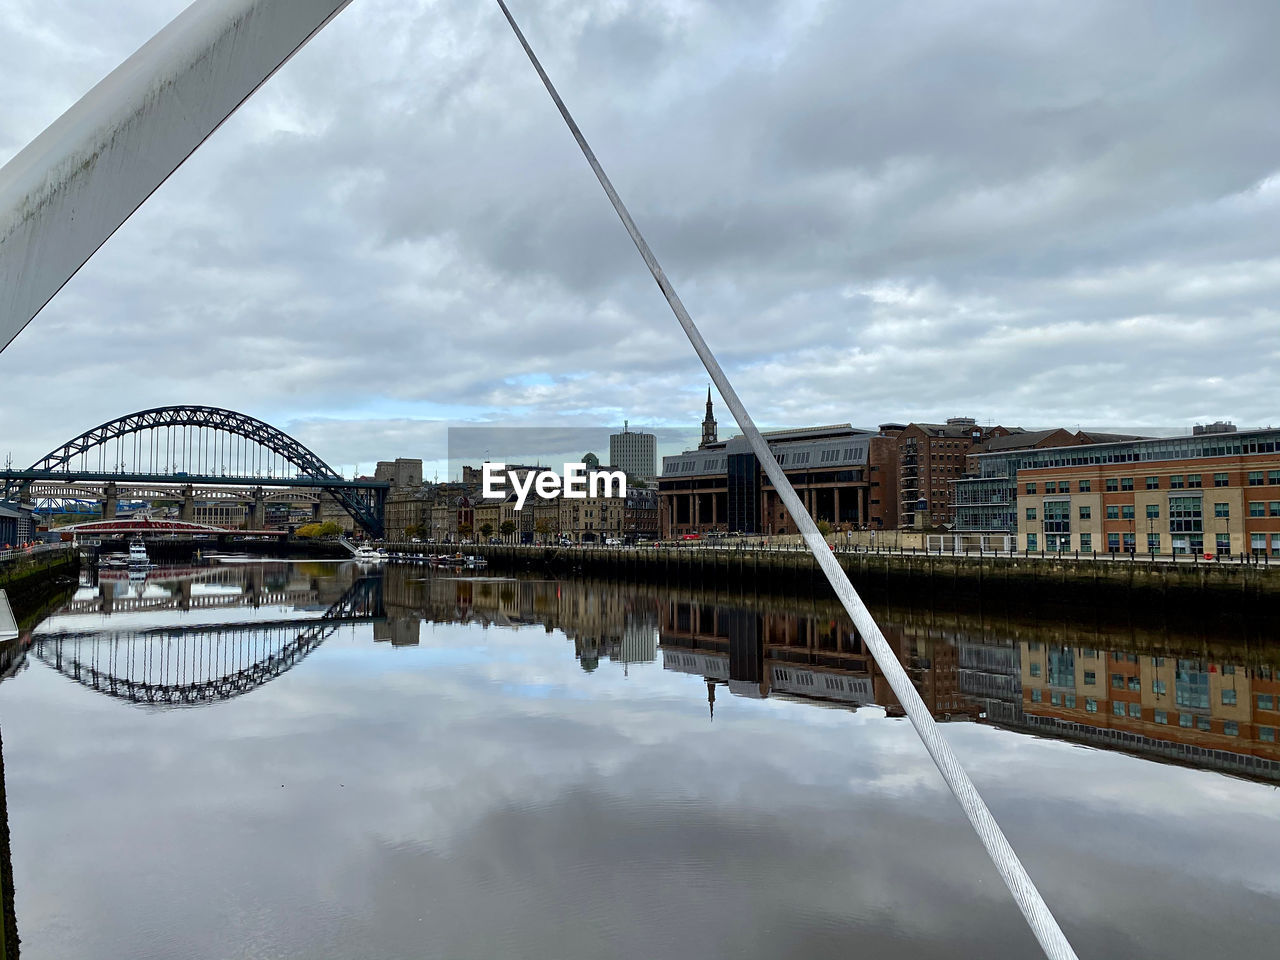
[[1209, 493], [984, 500], [835, 469], [636, 454]]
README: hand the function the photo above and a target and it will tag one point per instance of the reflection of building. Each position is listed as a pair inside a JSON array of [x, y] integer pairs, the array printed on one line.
[[1214, 714], [793, 654], [1207, 713]]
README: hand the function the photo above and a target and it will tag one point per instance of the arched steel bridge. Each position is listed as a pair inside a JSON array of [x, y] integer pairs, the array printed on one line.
[[201, 664], [175, 451]]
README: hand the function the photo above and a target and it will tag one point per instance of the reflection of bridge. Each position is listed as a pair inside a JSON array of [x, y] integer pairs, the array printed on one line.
[[185, 453], [193, 665]]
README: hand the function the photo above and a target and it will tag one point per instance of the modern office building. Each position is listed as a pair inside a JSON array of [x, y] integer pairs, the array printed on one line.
[[837, 470], [1214, 493], [634, 453]]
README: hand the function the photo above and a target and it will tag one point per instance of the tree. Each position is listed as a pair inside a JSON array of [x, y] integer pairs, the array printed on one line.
[[307, 531], [508, 528], [542, 528], [464, 530], [824, 528], [330, 528], [486, 529]]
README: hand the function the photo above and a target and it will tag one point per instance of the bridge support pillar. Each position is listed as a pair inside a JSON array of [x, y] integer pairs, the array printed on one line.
[[259, 510], [109, 502], [188, 510]]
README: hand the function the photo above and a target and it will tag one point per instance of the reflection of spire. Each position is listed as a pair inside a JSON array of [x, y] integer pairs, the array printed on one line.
[[711, 699]]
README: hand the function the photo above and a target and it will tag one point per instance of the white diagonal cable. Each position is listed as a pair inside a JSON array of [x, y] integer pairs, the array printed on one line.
[[1043, 925]]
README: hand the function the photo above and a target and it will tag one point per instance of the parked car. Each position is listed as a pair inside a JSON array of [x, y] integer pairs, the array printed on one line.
[[613, 542], [566, 542], [691, 536]]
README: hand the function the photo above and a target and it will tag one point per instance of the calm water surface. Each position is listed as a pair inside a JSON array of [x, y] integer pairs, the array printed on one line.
[[299, 760]]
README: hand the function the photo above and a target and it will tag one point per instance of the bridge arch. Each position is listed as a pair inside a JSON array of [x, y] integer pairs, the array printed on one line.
[[195, 444]]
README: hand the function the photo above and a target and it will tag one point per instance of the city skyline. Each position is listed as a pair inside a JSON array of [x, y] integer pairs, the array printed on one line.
[[364, 266]]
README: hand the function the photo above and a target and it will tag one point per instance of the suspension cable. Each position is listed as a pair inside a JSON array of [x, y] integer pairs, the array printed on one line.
[[1050, 936]]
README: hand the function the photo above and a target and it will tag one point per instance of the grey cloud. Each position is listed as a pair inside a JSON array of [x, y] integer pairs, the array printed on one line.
[[1047, 212]]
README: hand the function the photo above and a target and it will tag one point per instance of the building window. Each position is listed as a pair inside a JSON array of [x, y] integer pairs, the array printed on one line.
[[1153, 511], [1091, 705], [1267, 734], [1158, 687], [1176, 482], [1266, 701], [1255, 478], [1070, 700], [1033, 542], [1117, 707], [1273, 508], [1153, 483], [1135, 684], [1231, 728], [1055, 698], [1113, 511], [1036, 696], [1135, 710], [1275, 543], [1222, 509], [1086, 513], [1090, 677], [1193, 480], [1086, 542], [1273, 477], [1220, 480], [1126, 483], [1258, 543], [1031, 513], [1130, 543], [1117, 681], [1153, 543], [1228, 698], [1223, 544], [1161, 717], [1031, 488], [1202, 723], [1113, 543], [1126, 511], [1035, 669], [1086, 486], [1051, 486], [1257, 508], [1185, 514], [1185, 719], [1112, 484]]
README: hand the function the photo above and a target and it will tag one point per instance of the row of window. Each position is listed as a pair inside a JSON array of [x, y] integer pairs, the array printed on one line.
[[1177, 481], [1183, 543], [1125, 511]]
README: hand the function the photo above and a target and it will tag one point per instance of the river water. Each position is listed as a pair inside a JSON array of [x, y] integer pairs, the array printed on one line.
[[300, 760]]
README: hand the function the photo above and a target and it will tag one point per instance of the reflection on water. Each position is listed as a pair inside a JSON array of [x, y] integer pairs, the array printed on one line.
[[479, 708]]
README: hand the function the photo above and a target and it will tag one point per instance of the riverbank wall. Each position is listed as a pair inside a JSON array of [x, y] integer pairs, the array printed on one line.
[[913, 575]]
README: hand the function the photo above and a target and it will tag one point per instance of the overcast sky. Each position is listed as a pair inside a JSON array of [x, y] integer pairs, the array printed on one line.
[[1028, 213]]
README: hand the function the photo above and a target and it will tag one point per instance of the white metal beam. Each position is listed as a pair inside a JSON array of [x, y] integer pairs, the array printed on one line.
[[69, 189]]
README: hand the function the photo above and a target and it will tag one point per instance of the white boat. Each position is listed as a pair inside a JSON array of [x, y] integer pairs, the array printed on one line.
[[366, 554], [138, 553]]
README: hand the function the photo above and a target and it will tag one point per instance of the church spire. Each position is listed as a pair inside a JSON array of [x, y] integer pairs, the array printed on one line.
[[708, 424]]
